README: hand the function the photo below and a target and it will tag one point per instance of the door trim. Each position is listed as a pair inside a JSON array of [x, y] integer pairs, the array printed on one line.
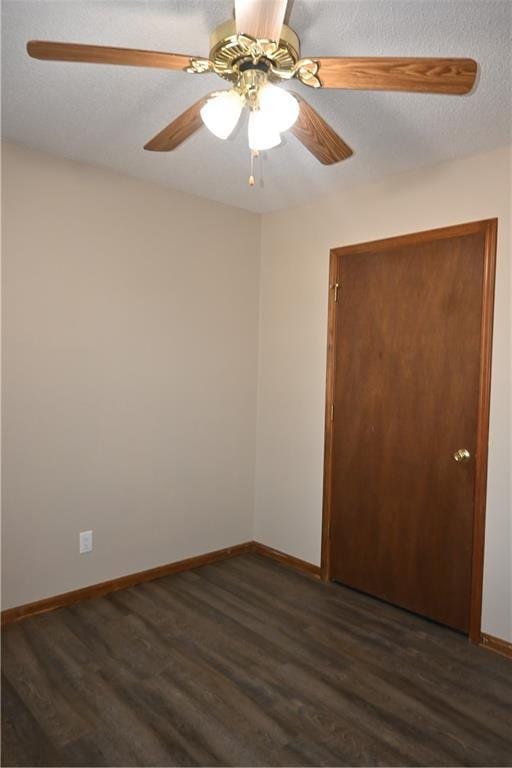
[[488, 228]]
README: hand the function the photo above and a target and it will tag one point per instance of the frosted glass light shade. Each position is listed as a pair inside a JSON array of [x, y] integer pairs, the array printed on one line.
[[280, 105], [221, 113], [263, 133]]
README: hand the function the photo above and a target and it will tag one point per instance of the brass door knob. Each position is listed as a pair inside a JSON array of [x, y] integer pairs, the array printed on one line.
[[462, 455]]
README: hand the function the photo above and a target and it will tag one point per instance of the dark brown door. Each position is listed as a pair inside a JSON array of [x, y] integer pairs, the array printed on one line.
[[405, 388]]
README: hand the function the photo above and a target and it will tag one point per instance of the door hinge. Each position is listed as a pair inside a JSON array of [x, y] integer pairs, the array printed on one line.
[[332, 411], [336, 288]]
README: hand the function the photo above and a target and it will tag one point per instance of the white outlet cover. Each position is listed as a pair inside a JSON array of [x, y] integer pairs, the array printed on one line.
[[85, 542]]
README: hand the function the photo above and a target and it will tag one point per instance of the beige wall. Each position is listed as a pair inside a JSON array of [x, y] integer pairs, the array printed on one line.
[[130, 367], [292, 354], [129, 390]]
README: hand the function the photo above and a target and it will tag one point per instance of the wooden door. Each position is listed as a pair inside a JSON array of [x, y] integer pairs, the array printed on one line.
[[409, 387]]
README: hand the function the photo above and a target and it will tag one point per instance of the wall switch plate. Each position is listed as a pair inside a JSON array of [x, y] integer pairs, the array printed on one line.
[[85, 542]]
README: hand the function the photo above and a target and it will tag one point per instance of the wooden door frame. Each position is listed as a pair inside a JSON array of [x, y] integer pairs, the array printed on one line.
[[488, 228]]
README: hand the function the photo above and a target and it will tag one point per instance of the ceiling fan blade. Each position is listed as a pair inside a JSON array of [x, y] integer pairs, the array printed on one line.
[[260, 18], [317, 136], [179, 130], [102, 54], [455, 76]]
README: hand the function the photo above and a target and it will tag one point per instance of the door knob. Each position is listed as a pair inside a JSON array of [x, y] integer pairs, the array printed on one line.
[[462, 455]]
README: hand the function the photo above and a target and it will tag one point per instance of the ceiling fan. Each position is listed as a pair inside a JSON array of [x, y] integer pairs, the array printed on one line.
[[254, 52]]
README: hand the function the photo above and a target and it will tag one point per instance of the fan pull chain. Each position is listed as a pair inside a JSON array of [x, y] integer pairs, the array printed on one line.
[[254, 153]]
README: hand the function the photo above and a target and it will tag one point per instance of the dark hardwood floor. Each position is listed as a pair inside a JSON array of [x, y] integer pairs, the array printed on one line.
[[247, 663]]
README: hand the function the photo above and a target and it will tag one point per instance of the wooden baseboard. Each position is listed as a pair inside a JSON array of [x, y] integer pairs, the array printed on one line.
[[497, 645], [292, 562], [11, 615]]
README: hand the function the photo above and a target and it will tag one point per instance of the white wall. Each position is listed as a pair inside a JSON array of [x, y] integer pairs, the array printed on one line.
[[129, 389], [292, 354]]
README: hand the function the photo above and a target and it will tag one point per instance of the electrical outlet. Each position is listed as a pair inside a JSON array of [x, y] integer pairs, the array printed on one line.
[[85, 542]]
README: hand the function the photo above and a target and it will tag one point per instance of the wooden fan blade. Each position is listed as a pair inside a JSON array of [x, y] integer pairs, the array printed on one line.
[[179, 130], [317, 136], [455, 76], [102, 54], [260, 18]]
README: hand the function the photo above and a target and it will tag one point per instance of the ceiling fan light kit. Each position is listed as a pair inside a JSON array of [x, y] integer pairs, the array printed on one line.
[[272, 110], [255, 51]]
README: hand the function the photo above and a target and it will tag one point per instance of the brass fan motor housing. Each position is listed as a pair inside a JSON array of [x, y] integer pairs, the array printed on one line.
[[228, 49]]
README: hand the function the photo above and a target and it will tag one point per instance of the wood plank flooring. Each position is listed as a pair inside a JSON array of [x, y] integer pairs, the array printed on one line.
[[247, 663]]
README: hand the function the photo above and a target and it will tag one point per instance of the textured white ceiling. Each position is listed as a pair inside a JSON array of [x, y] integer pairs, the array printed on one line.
[[104, 114]]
